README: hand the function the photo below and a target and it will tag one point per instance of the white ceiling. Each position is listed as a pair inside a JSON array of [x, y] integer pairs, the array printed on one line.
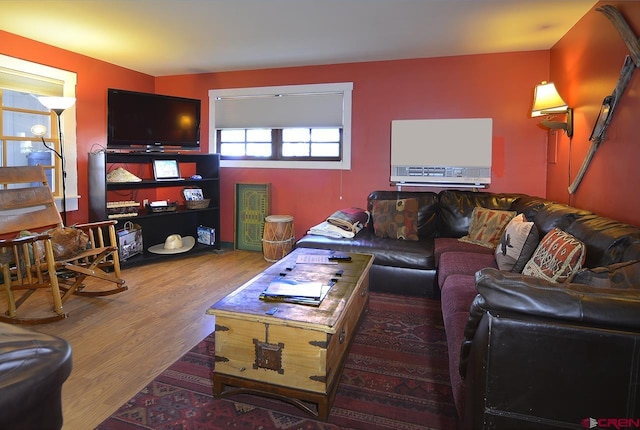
[[167, 37]]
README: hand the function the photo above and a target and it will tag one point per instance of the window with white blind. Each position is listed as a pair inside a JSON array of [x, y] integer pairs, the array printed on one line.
[[20, 83], [293, 126]]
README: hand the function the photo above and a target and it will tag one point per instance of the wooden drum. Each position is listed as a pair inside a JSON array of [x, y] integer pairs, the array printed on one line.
[[278, 237]]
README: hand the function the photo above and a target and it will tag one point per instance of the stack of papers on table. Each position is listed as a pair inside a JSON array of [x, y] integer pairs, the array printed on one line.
[[314, 259], [290, 290]]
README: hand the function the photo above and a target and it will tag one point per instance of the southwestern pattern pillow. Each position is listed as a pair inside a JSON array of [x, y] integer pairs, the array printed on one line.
[[517, 245], [558, 256], [397, 219], [486, 226]]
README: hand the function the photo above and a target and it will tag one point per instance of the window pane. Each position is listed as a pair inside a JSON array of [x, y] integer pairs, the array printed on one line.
[[301, 142], [232, 149], [259, 135], [232, 135], [295, 149], [325, 149], [325, 135], [259, 149], [22, 100], [296, 135], [44, 158], [15, 123], [20, 151], [22, 82]]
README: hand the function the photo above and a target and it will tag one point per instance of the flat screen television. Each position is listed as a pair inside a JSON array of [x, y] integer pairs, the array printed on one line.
[[151, 122]]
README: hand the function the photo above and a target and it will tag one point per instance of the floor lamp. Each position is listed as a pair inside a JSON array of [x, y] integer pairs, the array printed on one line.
[[59, 105]]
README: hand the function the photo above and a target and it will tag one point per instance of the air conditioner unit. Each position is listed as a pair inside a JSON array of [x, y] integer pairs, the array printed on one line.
[[446, 152]]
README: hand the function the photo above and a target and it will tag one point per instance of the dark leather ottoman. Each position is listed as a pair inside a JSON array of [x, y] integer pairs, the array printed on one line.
[[33, 367]]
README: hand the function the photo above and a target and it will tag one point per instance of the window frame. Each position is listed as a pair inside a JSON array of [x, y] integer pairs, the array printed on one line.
[[67, 121], [346, 88]]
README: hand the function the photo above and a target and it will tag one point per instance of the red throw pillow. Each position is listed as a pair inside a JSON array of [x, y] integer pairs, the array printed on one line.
[[558, 256]]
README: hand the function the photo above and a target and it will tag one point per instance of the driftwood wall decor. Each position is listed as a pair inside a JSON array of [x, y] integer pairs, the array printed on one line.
[[607, 109]]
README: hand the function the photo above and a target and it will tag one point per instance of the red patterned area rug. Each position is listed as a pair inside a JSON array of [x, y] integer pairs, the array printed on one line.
[[395, 377]]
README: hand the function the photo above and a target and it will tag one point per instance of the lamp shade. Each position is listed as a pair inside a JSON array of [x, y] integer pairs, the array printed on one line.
[[39, 130], [57, 104], [546, 100]]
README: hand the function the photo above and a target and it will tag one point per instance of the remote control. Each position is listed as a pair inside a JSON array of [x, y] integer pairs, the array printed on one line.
[[339, 257]]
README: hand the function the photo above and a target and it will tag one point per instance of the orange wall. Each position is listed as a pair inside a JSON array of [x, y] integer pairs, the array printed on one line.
[[499, 86], [585, 65], [94, 77]]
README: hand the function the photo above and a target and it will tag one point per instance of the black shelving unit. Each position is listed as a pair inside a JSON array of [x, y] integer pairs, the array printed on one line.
[[157, 226]]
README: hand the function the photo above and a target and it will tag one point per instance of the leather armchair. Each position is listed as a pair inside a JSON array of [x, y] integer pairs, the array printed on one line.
[[539, 355], [33, 367]]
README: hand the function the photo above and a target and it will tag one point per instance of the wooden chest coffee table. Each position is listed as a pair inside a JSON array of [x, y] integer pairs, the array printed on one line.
[[296, 354]]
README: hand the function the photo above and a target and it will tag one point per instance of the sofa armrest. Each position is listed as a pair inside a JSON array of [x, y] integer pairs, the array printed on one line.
[[544, 355], [505, 293], [512, 292]]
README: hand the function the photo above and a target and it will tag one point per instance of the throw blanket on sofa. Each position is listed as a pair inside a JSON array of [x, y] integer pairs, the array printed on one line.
[[342, 223], [326, 229], [352, 219]]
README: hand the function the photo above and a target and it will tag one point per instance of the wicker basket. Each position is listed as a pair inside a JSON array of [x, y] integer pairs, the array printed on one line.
[[197, 204]]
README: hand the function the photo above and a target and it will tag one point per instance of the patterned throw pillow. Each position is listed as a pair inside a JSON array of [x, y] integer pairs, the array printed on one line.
[[397, 219], [558, 256], [486, 226], [519, 241]]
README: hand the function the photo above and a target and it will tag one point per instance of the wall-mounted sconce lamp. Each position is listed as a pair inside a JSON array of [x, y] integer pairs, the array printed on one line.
[[57, 105], [547, 102]]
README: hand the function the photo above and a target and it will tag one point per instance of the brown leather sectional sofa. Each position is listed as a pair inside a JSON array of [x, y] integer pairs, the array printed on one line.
[[523, 352]]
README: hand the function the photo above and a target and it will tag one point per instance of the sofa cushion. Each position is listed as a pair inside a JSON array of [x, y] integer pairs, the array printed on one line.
[[621, 276], [557, 257], [487, 226], [626, 248], [396, 219], [410, 254], [450, 244], [456, 206], [517, 245], [557, 215], [458, 292], [529, 206], [462, 263], [605, 238]]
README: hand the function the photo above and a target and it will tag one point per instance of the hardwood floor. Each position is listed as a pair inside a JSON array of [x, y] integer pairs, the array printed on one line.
[[121, 342]]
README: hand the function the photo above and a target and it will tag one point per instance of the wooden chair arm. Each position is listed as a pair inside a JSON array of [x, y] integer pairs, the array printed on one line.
[[96, 224], [24, 239]]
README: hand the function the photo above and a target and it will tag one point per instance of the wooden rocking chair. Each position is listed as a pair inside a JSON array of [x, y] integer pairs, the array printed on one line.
[[37, 261]]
